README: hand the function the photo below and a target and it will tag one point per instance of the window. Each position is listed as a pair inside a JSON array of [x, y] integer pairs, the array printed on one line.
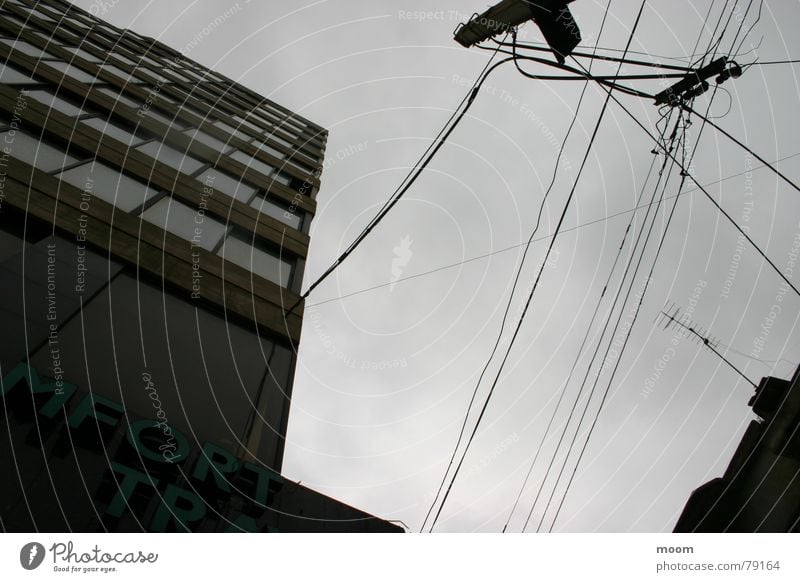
[[26, 48], [280, 140], [249, 124], [225, 184], [269, 149], [171, 157], [13, 76], [113, 69], [114, 94], [34, 13], [259, 259], [123, 58], [279, 211], [259, 166], [233, 131], [209, 140], [34, 151], [109, 184], [151, 58], [55, 102], [86, 55], [302, 165], [185, 222], [171, 122], [128, 136], [73, 72], [15, 19], [158, 77]]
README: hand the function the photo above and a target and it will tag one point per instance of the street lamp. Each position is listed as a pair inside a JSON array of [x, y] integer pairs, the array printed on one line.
[[552, 16]]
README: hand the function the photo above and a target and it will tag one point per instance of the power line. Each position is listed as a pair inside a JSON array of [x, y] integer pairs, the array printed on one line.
[[579, 75], [410, 178], [536, 282], [742, 145], [632, 52], [529, 46], [577, 357], [635, 316], [758, 63], [639, 303], [711, 198], [508, 304], [432, 150], [634, 249], [749, 30], [541, 238], [516, 279]]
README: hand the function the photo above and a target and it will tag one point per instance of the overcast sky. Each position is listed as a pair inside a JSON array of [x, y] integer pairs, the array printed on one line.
[[384, 377]]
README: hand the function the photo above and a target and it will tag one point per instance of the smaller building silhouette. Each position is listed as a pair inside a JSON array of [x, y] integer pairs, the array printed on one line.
[[760, 490]]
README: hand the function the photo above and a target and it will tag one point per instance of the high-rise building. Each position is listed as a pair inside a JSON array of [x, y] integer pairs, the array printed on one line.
[[154, 220]]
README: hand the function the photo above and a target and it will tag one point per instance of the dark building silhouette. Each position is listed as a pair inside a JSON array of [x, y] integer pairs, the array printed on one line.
[[154, 220], [760, 490]]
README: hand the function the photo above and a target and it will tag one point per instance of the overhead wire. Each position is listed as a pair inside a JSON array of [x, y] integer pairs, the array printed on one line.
[[440, 139], [539, 239], [712, 46], [707, 194], [622, 310], [513, 290], [607, 389], [578, 75], [536, 282], [749, 30], [577, 357], [435, 145], [632, 52], [634, 318], [598, 57], [632, 254], [507, 308], [683, 164], [759, 63]]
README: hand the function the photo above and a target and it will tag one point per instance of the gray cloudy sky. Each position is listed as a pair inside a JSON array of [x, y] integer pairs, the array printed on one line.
[[384, 377]]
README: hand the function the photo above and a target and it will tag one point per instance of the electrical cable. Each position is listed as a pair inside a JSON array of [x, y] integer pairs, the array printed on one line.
[[511, 295], [597, 414], [712, 47], [536, 282], [529, 46], [577, 356], [629, 331], [743, 146], [408, 181], [580, 391], [555, 452], [649, 277], [749, 30], [758, 63], [711, 198], [616, 50], [514, 286], [541, 238], [684, 176], [580, 76]]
